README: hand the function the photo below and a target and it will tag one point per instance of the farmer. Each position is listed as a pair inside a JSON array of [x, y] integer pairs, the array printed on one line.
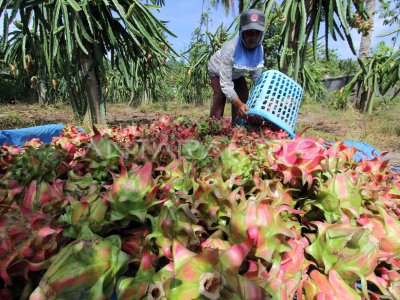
[[228, 65]]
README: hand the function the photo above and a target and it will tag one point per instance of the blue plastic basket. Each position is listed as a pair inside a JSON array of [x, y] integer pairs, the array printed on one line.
[[277, 98]]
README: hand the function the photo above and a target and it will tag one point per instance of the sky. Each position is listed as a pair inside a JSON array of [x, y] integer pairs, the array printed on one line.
[[184, 17]]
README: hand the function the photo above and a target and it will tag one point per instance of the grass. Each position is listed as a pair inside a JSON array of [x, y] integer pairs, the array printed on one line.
[[10, 118]]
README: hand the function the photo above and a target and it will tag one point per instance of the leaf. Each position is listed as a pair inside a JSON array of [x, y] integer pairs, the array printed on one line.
[[120, 9], [268, 9], [88, 19], [194, 150], [330, 16], [293, 11], [74, 5], [5, 29], [316, 29], [341, 9], [130, 10], [67, 31], [82, 28], [56, 14], [77, 33], [58, 29]]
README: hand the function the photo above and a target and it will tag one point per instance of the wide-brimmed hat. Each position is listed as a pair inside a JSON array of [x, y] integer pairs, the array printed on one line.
[[252, 19]]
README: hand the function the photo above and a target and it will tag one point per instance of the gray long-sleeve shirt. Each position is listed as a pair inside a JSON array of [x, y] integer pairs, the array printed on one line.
[[221, 65]]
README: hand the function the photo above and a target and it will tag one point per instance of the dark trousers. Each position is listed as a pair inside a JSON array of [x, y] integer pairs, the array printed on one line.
[[219, 99]]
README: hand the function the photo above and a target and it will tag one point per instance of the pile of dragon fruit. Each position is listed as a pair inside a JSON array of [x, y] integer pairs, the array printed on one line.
[[196, 210]]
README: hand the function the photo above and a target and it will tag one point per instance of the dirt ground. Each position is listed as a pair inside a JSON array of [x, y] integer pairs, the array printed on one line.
[[317, 122]]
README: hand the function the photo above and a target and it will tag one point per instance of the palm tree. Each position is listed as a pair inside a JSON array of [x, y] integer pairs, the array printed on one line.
[[78, 37]]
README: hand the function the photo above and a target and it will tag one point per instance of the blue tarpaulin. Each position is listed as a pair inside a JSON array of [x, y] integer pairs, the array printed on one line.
[[364, 151], [18, 137]]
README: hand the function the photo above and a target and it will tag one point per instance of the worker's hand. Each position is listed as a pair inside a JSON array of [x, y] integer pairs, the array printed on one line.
[[242, 107]]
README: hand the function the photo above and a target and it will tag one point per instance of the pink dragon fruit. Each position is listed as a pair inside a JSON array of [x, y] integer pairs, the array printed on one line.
[[177, 176], [380, 189], [319, 286], [88, 266], [274, 190], [37, 195], [236, 165], [388, 282], [339, 157], [212, 275], [71, 136], [131, 194], [258, 221], [92, 210], [216, 241], [298, 160], [34, 143], [143, 284], [385, 228], [337, 196], [25, 236], [376, 166], [175, 222], [284, 277], [210, 198], [352, 251]]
